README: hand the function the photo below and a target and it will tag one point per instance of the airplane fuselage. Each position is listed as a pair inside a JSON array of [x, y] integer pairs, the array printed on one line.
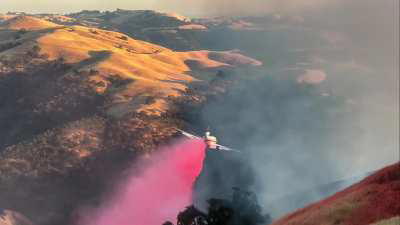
[[210, 141]]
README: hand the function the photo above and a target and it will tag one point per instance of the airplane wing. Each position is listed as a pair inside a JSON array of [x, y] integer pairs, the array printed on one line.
[[191, 136], [224, 148]]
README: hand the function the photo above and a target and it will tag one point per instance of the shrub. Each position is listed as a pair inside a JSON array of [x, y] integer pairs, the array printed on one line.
[[125, 38], [242, 209]]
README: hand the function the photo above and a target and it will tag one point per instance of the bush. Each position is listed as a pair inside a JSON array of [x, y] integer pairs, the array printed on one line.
[[34, 52], [125, 38], [22, 31], [242, 209], [93, 31]]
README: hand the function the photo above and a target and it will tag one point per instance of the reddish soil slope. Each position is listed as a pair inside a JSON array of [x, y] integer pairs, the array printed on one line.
[[374, 199]]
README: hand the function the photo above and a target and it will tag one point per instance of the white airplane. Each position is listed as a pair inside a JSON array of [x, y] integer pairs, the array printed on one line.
[[210, 141]]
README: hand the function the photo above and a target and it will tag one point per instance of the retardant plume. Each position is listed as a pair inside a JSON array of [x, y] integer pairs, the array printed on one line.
[[158, 193]]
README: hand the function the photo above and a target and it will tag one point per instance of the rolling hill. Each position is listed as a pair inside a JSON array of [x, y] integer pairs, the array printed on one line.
[[78, 104], [83, 95], [26, 22], [296, 200], [153, 70], [168, 29], [374, 200]]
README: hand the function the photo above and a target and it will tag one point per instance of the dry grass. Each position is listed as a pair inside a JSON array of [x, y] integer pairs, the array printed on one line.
[[153, 70], [27, 23], [373, 199], [392, 221]]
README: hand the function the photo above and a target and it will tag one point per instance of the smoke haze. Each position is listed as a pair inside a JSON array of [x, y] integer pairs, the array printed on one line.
[[240, 7], [342, 121], [297, 136]]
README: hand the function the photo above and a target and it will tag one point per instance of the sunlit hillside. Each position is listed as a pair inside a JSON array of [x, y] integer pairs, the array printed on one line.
[[373, 201], [26, 22], [153, 70]]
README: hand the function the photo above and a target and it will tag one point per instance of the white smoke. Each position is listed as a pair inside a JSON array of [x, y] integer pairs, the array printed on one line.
[[240, 7]]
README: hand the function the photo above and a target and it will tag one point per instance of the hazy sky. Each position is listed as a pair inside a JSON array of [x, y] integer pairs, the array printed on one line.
[[185, 7], [73, 5]]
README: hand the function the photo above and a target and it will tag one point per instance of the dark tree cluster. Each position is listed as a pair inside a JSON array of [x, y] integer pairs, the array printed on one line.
[[242, 209]]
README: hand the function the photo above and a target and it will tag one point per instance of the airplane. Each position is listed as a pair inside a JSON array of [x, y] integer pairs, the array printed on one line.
[[210, 141]]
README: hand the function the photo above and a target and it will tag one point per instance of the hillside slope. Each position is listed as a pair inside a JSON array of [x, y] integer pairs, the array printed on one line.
[[168, 29], [297, 200], [78, 105], [26, 22], [375, 200], [153, 70]]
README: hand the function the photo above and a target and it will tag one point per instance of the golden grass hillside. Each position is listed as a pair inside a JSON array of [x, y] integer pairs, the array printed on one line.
[[26, 22], [153, 73]]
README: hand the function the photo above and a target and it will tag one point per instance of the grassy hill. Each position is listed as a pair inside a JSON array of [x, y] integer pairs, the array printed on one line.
[[26, 22], [375, 200], [79, 104], [153, 70]]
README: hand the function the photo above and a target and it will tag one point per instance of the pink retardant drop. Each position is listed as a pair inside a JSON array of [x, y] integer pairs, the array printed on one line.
[[158, 193]]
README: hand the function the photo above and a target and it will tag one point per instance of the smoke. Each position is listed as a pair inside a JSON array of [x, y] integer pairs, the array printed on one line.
[[295, 134], [240, 7], [158, 193]]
